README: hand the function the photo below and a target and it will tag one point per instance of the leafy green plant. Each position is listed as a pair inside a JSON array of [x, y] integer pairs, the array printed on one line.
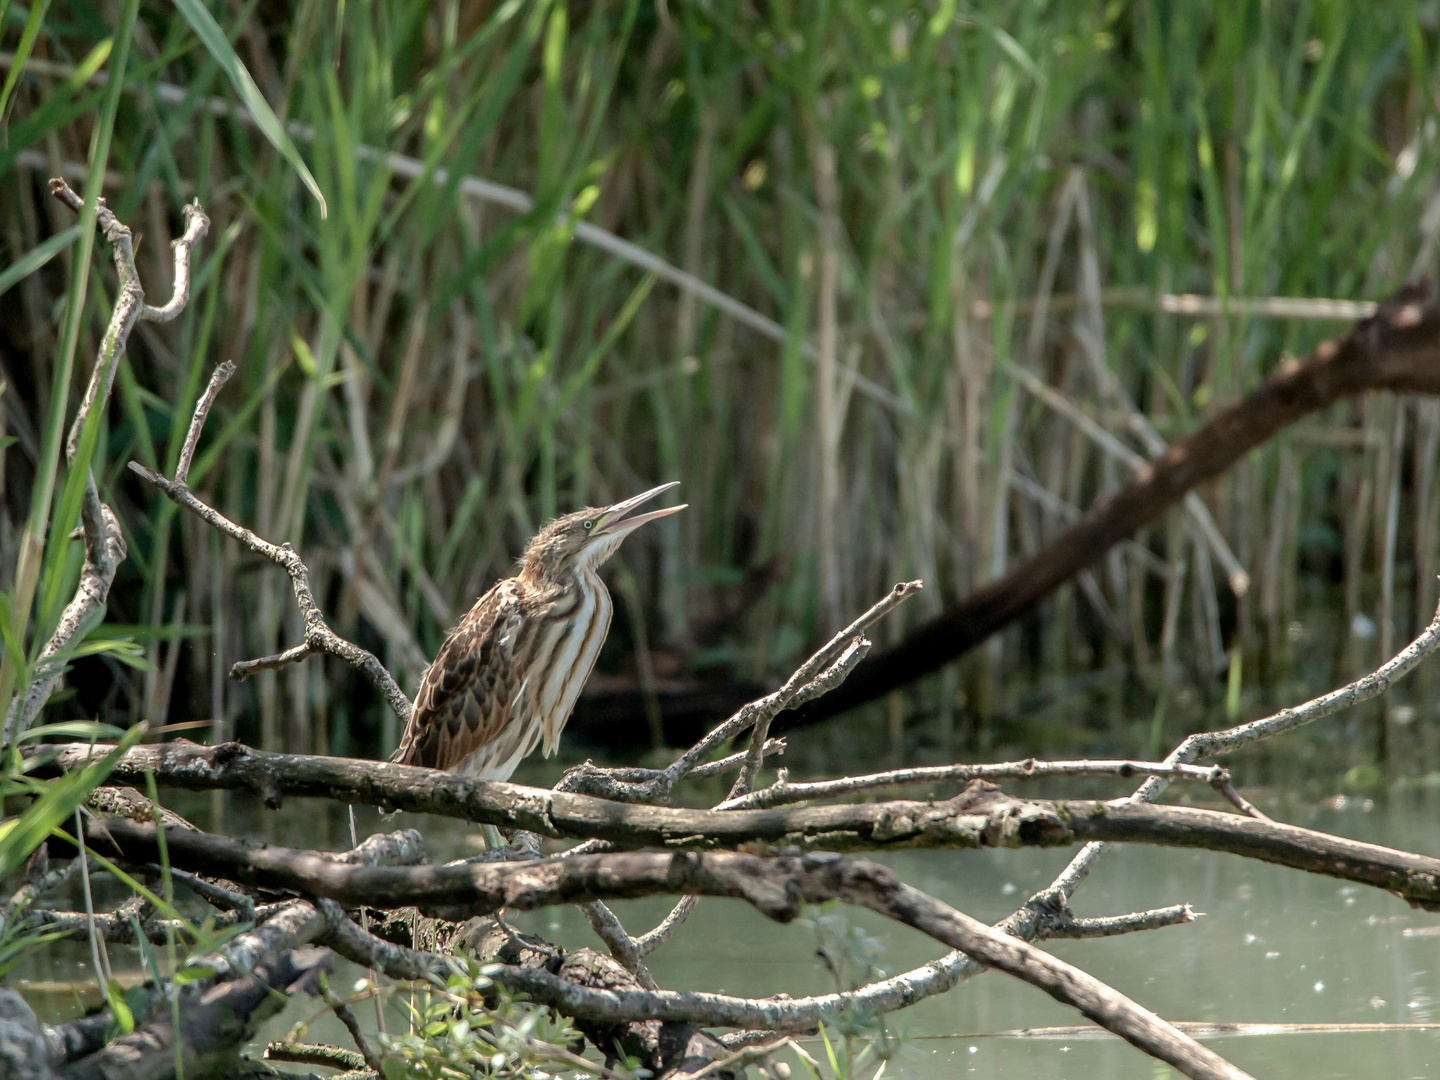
[[854, 1043], [473, 1028]]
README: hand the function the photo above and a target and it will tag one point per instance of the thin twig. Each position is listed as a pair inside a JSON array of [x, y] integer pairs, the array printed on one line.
[[197, 422], [1066, 925], [1214, 743], [219, 895], [243, 669], [104, 543], [786, 791], [346, 1016], [824, 671], [622, 946], [783, 698], [618, 781], [318, 635], [828, 679], [648, 942]]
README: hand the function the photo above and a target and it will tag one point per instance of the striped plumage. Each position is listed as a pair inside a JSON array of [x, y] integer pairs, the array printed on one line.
[[506, 678]]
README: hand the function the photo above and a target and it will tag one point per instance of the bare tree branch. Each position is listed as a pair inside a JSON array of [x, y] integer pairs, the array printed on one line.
[[1215, 743], [799, 688], [824, 671], [786, 791], [1066, 925], [104, 542], [318, 635], [1397, 349], [777, 887], [981, 816], [620, 782]]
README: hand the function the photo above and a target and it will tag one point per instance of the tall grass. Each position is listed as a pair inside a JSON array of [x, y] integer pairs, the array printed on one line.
[[914, 200]]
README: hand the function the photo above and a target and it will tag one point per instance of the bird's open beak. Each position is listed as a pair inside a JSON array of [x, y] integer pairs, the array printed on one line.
[[616, 522]]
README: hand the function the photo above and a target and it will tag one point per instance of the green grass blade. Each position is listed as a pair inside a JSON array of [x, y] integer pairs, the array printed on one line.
[[37, 257], [214, 40], [20, 836], [22, 52], [32, 540]]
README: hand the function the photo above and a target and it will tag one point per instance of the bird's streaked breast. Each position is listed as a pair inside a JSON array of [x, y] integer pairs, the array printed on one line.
[[576, 647]]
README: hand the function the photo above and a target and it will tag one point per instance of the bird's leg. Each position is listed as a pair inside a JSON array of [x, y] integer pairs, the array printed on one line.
[[493, 840]]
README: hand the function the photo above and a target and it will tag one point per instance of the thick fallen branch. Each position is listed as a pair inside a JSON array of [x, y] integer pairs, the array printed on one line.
[[1397, 349], [217, 1009], [208, 1027], [981, 816], [778, 887]]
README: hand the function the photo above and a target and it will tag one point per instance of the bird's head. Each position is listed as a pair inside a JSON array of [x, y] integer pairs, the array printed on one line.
[[586, 538]]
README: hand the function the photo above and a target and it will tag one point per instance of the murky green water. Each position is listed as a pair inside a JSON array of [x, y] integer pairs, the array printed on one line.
[[1274, 947]]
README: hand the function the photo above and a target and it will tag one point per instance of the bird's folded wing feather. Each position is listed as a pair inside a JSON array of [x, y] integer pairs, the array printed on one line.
[[468, 694]]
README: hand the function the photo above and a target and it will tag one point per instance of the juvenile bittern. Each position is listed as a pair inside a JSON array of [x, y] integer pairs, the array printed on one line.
[[508, 675]]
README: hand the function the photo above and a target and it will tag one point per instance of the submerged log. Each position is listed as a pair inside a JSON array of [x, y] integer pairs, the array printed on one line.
[[1397, 349]]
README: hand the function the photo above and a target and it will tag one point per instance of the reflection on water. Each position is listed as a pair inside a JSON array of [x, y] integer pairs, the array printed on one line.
[[1274, 946]]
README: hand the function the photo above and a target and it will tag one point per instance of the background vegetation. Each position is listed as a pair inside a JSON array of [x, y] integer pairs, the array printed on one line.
[[920, 207]]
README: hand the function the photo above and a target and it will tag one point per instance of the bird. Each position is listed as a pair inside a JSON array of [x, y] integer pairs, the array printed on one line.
[[506, 678]]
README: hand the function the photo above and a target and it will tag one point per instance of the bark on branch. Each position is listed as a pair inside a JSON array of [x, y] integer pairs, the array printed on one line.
[[981, 816], [319, 638], [104, 543], [1397, 349], [778, 887]]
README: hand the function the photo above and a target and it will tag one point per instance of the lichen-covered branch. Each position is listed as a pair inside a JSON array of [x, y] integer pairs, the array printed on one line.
[[318, 635], [777, 887], [784, 790], [981, 817], [104, 543], [1217, 743]]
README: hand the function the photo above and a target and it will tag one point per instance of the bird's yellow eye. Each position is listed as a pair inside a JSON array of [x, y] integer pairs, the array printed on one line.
[[589, 525]]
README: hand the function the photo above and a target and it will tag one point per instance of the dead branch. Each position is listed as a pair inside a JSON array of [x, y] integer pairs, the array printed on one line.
[[216, 1008], [104, 542], [127, 802], [205, 1031], [539, 984], [805, 683], [786, 791], [620, 782], [981, 816], [825, 670], [1066, 925], [331, 1057], [777, 887], [1049, 903], [318, 635], [1396, 349], [1216, 743], [665, 1046]]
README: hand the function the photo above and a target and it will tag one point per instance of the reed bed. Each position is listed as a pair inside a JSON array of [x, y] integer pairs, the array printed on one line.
[[893, 289]]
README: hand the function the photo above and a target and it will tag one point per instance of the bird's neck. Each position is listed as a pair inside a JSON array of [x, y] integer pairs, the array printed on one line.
[[583, 578]]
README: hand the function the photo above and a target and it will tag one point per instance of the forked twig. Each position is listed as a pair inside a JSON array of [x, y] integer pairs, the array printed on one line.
[[318, 635], [104, 542], [785, 790]]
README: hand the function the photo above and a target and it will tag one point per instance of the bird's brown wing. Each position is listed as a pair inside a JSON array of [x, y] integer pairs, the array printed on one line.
[[467, 694]]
